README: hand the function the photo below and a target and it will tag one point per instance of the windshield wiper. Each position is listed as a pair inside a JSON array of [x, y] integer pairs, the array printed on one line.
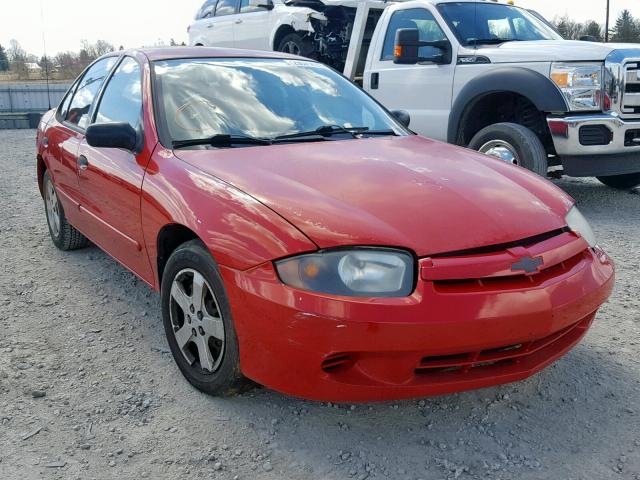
[[222, 140], [322, 132], [490, 41]]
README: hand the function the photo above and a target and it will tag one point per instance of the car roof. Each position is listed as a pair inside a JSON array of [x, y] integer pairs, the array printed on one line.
[[169, 53]]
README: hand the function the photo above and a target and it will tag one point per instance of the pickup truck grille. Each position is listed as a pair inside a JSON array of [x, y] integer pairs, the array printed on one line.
[[631, 93]]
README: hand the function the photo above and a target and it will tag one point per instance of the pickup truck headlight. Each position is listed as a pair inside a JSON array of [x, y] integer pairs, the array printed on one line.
[[358, 272], [580, 83], [578, 224]]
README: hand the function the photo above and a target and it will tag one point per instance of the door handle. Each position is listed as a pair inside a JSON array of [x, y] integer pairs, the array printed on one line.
[[375, 80], [210, 25], [238, 21], [83, 163]]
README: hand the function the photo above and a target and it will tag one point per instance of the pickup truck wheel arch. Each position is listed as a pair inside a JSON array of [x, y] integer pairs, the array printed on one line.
[[529, 84]]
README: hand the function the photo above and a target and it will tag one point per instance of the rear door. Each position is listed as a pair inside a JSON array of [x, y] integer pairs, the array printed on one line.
[[63, 137], [110, 179], [252, 27], [220, 34], [201, 30], [425, 89]]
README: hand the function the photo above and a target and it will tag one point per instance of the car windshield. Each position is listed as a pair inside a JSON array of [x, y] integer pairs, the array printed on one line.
[[490, 23], [260, 98]]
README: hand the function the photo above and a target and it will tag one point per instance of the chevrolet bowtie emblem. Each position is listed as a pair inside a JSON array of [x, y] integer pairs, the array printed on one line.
[[528, 264]]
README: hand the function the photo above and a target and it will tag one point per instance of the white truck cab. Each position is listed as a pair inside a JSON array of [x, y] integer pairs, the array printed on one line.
[[481, 74]]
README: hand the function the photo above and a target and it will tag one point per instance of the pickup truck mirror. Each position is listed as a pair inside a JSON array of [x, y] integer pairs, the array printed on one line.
[[268, 4], [402, 116], [408, 45], [112, 135]]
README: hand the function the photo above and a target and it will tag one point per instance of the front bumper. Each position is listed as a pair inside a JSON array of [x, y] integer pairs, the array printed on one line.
[[619, 154], [448, 336]]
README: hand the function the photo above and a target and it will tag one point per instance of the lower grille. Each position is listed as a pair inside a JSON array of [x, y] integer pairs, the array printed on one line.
[[590, 135], [461, 363]]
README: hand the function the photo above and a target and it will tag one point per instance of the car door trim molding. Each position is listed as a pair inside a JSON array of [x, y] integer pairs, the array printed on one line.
[[130, 240]]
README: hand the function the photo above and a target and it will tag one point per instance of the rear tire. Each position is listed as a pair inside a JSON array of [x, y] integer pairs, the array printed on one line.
[[198, 323], [621, 182], [512, 143], [64, 235]]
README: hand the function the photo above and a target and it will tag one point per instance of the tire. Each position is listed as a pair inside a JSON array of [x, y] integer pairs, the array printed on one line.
[[622, 182], [526, 147], [63, 234], [295, 44], [202, 319]]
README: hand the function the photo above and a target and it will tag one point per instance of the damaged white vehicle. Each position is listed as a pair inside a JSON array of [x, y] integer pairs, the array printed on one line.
[[318, 29]]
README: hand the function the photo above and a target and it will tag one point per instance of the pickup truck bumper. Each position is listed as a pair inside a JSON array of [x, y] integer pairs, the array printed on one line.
[[596, 144]]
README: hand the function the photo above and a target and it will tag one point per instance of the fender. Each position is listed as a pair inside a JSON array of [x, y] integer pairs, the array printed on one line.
[[530, 84], [297, 18]]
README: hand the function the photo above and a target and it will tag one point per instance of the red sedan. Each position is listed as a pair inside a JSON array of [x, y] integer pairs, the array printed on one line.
[[302, 237]]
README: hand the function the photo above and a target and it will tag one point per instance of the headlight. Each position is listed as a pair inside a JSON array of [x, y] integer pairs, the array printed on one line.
[[578, 224], [581, 84], [361, 272]]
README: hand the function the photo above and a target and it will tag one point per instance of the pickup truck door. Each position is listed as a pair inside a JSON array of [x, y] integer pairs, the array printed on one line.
[[252, 27], [424, 90], [110, 179]]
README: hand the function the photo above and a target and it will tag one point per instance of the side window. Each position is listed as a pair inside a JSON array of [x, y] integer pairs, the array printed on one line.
[[246, 8], [226, 7], [63, 108], [122, 97], [88, 87], [418, 18], [207, 9]]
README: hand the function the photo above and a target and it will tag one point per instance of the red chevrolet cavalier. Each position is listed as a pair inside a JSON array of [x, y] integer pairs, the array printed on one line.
[[302, 237]]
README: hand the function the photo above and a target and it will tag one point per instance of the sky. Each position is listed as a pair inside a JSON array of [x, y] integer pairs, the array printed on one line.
[[135, 23]]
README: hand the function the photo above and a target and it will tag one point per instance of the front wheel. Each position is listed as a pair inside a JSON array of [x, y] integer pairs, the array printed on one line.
[[513, 144], [197, 321], [295, 44], [621, 182]]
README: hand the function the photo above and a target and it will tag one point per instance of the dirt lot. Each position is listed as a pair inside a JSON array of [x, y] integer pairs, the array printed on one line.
[[89, 390]]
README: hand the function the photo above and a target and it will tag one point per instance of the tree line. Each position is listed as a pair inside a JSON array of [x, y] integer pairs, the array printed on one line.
[[626, 29]]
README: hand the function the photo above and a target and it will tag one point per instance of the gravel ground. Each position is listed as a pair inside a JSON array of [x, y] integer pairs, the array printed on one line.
[[89, 390]]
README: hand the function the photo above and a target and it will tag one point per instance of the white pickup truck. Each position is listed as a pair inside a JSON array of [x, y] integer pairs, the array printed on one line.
[[480, 74]]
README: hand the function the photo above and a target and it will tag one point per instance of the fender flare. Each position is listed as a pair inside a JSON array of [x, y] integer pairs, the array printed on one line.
[[530, 84]]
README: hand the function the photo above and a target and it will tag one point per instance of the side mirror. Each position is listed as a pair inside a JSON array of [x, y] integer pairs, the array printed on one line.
[[408, 45], [112, 135], [588, 38], [402, 116], [267, 4]]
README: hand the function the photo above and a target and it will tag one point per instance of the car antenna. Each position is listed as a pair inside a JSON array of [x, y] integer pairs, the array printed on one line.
[[46, 59]]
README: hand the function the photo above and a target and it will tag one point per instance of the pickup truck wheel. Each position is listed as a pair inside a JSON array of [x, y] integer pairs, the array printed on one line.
[[197, 321], [295, 44], [621, 182], [514, 144], [63, 234]]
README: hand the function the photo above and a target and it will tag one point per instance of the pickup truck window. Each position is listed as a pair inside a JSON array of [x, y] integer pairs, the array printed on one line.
[[491, 23], [419, 18], [263, 98]]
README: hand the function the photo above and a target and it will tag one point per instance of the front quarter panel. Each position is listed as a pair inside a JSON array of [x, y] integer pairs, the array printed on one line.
[[239, 231]]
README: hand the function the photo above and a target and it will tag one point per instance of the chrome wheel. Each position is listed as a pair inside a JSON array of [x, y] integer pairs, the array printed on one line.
[[52, 207], [196, 320], [501, 150], [291, 47]]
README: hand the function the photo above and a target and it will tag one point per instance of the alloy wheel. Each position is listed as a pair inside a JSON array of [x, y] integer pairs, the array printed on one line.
[[291, 47], [52, 207], [197, 320]]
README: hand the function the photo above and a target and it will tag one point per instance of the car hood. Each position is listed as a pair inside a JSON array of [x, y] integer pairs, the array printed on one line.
[[407, 192], [549, 51]]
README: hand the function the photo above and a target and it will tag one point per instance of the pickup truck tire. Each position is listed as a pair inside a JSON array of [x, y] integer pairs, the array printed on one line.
[[63, 235], [198, 323], [622, 182], [295, 44], [512, 143]]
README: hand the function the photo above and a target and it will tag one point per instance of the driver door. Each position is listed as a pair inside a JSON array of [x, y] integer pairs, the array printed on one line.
[[110, 179], [423, 90]]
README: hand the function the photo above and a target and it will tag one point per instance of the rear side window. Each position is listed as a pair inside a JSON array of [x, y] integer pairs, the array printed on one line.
[[207, 9], [122, 97], [64, 105], [88, 88], [418, 18], [226, 7]]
